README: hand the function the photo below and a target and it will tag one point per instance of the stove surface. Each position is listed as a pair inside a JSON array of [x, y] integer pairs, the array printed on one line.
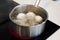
[[50, 27]]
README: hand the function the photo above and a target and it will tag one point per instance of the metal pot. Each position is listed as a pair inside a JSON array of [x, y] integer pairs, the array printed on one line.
[[27, 31]]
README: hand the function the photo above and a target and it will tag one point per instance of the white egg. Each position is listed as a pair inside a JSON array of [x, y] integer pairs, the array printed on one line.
[[19, 22], [21, 16], [30, 15], [21, 19], [38, 19]]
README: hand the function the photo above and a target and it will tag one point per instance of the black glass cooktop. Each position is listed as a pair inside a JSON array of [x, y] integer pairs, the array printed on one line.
[[50, 27]]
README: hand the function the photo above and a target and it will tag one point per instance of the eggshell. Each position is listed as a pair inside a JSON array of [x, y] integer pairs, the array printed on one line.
[[21, 16], [30, 15], [38, 19]]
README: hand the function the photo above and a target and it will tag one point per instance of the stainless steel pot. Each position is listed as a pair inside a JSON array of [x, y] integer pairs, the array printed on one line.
[[32, 31]]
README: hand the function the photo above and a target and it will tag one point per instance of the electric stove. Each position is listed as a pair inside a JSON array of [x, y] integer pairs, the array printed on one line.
[[5, 25]]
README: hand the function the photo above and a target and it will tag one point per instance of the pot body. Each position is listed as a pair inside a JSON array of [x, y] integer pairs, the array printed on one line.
[[27, 31]]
